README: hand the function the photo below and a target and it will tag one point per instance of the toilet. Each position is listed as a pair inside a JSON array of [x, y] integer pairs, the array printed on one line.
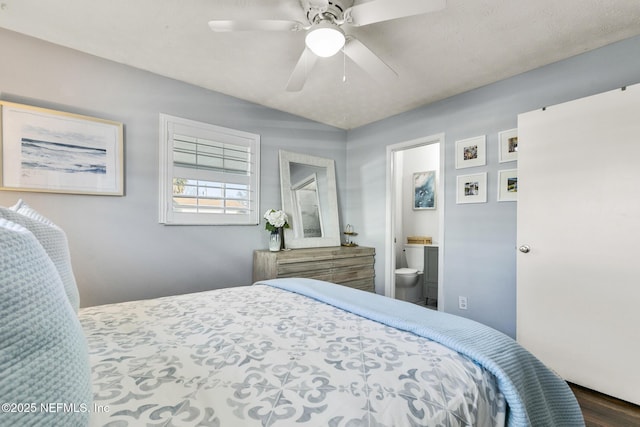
[[407, 278]]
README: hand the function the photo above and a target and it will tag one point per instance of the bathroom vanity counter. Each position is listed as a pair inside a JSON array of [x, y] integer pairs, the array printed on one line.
[[348, 266]]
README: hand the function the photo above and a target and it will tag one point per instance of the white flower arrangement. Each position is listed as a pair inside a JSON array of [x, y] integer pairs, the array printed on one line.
[[276, 219]]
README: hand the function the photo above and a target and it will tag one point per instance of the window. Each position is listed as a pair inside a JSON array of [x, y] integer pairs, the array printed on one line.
[[209, 175]]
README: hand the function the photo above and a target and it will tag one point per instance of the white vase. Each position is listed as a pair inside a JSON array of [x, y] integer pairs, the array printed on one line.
[[274, 241]]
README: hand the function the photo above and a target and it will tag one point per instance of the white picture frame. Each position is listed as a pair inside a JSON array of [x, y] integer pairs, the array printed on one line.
[[508, 185], [471, 188], [508, 146], [471, 152], [53, 151]]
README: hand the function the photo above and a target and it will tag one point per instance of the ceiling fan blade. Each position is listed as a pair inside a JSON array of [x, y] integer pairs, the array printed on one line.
[[256, 25], [301, 71], [368, 61], [386, 10]]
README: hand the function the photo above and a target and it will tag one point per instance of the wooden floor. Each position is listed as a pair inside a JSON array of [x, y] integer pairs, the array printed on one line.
[[600, 410]]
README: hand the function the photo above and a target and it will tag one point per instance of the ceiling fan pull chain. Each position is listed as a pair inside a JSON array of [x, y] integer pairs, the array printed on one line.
[[344, 66]]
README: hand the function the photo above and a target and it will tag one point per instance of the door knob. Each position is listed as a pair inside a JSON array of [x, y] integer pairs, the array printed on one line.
[[525, 249]]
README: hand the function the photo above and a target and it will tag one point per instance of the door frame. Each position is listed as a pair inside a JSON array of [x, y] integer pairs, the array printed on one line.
[[390, 223]]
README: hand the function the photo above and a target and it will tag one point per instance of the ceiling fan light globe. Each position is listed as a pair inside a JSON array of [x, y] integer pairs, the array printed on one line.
[[325, 40]]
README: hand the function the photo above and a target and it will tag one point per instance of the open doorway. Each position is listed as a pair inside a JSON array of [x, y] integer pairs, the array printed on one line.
[[409, 165]]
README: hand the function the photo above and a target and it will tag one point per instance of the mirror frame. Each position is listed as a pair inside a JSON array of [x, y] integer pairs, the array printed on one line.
[[329, 213]]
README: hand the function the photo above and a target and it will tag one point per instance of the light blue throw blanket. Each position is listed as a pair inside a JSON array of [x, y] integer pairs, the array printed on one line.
[[536, 396]]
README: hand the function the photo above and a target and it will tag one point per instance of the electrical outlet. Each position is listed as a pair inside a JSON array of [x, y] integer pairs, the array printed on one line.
[[462, 303]]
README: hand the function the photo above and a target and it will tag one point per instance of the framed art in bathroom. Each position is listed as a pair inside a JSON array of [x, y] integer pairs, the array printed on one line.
[[424, 190], [471, 188], [58, 152]]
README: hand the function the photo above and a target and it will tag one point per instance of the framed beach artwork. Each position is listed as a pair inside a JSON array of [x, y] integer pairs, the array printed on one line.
[[508, 185], [471, 152], [508, 149], [57, 152], [424, 190], [471, 188]]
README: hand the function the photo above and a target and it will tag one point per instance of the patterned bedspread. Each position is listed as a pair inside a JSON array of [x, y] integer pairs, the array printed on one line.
[[262, 356]]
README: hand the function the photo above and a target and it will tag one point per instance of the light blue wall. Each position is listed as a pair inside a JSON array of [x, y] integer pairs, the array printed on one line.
[[120, 252], [118, 249], [479, 240]]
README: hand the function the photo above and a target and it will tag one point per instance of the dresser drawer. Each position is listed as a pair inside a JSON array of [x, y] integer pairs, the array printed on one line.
[[347, 274], [292, 268]]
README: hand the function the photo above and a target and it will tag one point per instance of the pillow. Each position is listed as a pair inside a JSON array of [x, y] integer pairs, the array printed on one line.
[[44, 357], [53, 240]]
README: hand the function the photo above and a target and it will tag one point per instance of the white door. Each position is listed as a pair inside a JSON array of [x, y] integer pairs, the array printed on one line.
[[578, 294]]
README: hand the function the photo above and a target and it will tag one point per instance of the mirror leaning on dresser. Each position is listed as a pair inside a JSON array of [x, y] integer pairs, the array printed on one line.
[[310, 200]]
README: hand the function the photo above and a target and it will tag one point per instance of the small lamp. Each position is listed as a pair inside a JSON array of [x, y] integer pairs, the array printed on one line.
[[325, 39]]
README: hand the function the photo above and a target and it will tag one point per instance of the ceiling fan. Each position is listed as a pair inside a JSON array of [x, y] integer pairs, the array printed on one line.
[[325, 35]]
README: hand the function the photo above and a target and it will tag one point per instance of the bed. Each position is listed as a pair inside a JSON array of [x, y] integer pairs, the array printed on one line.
[[283, 352]]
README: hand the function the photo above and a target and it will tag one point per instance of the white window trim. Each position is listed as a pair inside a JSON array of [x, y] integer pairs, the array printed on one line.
[[166, 214]]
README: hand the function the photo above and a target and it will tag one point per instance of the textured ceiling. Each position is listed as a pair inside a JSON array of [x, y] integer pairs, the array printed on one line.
[[469, 44]]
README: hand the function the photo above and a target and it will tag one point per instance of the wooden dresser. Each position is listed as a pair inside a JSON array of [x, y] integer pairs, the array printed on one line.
[[348, 266]]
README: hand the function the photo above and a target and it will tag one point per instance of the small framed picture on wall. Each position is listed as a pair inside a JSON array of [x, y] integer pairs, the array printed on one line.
[[508, 185], [508, 150], [471, 152], [471, 188]]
